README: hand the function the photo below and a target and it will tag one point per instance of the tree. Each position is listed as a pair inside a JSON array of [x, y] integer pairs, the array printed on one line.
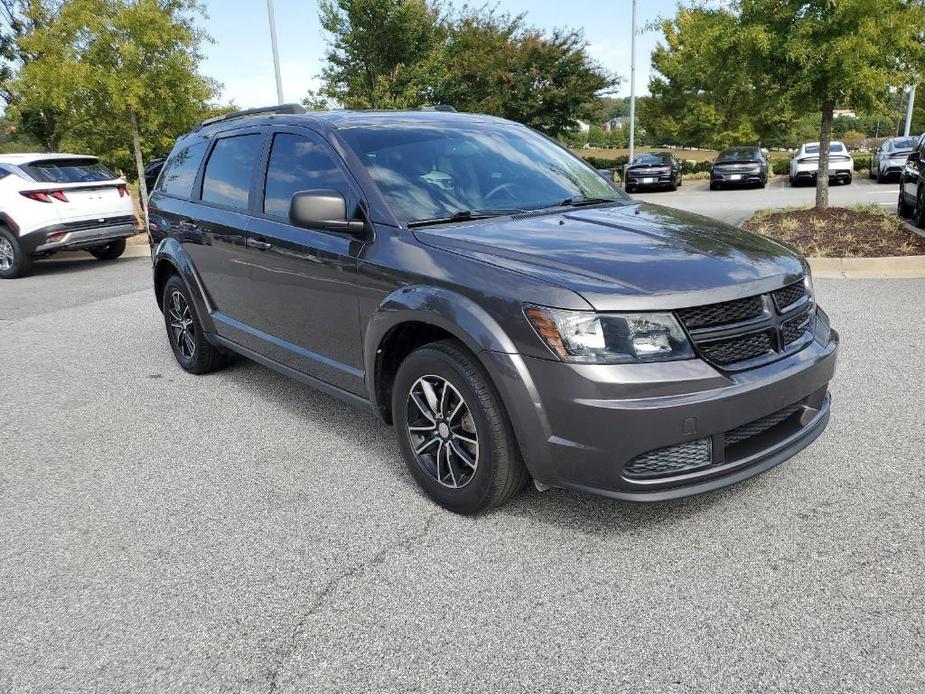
[[379, 52], [820, 54], [409, 53], [122, 75]]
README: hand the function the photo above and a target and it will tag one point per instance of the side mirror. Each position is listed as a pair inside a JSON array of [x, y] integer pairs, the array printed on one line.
[[322, 209], [914, 156]]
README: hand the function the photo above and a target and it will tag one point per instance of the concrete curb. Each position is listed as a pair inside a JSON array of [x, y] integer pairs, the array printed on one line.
[[896, 267]]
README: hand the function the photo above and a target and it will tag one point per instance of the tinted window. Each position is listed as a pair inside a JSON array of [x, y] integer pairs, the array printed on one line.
[[297, 163], [652, 159], [739, 154], [179, 172], [428, 171], [227, 179], [69, 171]]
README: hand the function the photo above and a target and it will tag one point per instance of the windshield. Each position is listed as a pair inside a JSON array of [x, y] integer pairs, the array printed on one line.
[[435, 171], [69, 171], [904, 143], [738, 154], [652, 160]]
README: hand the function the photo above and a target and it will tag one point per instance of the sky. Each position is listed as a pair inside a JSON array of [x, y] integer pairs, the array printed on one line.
[[241, 57]]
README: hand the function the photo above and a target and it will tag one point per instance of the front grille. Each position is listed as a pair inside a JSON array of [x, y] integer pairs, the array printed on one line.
[[738, 348], [789, 295], [694, 455], [759, 426], [722, 313], [670, 460], [795, 328], [748, 332]]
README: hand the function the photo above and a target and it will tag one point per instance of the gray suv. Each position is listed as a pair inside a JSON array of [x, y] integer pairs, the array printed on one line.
[[508, 310]]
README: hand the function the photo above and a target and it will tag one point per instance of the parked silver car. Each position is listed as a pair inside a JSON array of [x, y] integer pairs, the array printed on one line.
[[889, 159]]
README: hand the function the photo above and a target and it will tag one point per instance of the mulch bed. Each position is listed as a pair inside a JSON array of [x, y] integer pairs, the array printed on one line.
[[838, 232]]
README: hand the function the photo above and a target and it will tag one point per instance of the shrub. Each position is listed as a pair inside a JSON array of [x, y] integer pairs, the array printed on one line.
[[861, 162], [780, 167]]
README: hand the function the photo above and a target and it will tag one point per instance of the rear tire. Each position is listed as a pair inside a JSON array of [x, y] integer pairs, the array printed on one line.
[[110, 251], [13, 260], [902, 207], [714, 186], [446, 412], [184, 331]]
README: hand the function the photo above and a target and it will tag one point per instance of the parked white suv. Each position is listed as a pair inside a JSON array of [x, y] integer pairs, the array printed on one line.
[[58, 202], [804, 166]]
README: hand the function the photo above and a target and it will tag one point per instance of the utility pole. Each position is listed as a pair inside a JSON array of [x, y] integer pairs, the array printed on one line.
[[633, 84], [279, 79], [909, 103]]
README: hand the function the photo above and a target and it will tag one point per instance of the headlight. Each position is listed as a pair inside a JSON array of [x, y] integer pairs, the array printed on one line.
[[808, 283], [586, 337]]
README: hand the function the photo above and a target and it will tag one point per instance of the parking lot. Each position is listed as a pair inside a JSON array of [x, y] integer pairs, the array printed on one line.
[[735, 205], [240, 532]]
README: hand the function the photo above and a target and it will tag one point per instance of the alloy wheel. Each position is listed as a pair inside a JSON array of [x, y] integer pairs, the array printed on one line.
[[7, 255], [442, 432], [182, 325]]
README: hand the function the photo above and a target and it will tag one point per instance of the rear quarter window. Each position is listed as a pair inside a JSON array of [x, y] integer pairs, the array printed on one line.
[[179, 173], [68, 171]]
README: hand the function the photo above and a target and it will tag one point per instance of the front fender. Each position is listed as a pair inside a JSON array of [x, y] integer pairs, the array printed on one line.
[[169, 254]]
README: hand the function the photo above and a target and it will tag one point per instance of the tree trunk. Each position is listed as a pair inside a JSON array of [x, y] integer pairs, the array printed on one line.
[[139, 162], [825, 137]]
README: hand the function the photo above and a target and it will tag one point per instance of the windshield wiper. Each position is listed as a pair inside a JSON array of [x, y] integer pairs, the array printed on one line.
[[464, 216]]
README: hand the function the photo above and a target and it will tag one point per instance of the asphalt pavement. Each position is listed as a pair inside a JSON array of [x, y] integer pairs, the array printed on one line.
[[735, 205], [239, 532]]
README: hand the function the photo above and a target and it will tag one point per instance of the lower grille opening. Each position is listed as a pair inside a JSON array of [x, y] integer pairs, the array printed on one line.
[[738, 443]]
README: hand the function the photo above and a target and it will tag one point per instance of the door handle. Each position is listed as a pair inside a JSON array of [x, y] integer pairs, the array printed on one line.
[[259, 244]]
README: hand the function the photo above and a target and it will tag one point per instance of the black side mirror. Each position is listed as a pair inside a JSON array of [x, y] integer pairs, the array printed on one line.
[[322, 209], [914, 156]]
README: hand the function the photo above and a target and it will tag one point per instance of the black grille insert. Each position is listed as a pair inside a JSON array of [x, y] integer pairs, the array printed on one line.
[[789, 295], [795, 328], [738, 348], [759, 426], [671, 460], [722, 313]]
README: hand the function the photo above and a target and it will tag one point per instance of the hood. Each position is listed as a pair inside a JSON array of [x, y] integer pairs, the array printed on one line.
[[629, 257]]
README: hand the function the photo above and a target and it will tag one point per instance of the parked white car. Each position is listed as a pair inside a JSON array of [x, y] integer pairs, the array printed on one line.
[[58, 202], [804, 166]]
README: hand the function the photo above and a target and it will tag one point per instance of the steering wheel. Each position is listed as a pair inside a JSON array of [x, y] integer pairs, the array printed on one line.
[[502, 187]]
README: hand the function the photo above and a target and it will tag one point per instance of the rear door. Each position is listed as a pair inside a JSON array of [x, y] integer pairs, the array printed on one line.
[[218, 218], [302, 305], [910, 176]]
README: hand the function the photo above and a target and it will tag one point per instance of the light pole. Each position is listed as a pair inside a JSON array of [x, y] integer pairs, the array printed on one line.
[[633, 84], [909, 104], [279, 79]]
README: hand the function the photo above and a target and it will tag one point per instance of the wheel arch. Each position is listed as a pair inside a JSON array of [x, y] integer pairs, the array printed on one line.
[[413, 316], [170, 258]]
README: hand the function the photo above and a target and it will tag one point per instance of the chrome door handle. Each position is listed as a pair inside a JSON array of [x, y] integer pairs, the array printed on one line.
[[258, 244]]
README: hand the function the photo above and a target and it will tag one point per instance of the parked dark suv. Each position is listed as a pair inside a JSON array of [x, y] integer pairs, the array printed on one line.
[[512, 313]]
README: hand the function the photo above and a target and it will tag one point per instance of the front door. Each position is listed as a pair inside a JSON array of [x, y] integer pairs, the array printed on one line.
[[302, 304]]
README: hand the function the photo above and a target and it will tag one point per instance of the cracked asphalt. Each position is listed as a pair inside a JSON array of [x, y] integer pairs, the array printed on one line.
[[239, 532]]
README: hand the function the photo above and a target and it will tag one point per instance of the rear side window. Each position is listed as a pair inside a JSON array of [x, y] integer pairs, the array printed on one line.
[[68, 171], [179, 172], [227, 179], [298, 163]]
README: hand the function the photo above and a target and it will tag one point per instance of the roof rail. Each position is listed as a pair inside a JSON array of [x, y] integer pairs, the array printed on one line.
[[281, 109], [439, 107]]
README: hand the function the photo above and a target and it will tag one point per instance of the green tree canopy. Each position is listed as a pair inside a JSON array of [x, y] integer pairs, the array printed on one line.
[[410, 53], [121, 77]]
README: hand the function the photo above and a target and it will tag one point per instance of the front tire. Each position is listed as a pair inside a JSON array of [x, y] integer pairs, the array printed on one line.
[[453, 431], [184, 331], [110, 251], [13, 261]]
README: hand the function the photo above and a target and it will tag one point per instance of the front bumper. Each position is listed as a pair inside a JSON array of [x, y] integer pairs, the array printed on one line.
[[77, 236], [581, 426]]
